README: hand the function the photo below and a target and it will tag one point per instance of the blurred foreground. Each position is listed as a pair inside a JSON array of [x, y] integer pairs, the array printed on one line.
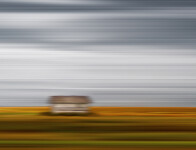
[[107, 127]]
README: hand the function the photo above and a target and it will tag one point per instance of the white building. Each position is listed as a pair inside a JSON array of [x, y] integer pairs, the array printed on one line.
[[69, 104]]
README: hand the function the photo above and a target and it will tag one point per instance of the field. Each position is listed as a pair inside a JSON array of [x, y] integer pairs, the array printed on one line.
[[106, 128]]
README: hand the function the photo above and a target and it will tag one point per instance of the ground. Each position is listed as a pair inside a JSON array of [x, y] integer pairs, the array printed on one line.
[[105, 128]]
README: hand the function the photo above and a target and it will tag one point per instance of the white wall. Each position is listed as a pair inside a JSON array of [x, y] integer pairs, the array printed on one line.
[[61, 108]]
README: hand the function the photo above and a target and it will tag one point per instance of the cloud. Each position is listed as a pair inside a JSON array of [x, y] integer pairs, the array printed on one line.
[[142, 52]]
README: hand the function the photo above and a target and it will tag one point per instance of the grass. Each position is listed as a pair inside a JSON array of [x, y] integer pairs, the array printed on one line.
[[105, 127], [100, 143], [188, 144]]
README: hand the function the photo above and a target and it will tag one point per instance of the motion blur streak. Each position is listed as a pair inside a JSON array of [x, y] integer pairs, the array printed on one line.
[[119, 52]]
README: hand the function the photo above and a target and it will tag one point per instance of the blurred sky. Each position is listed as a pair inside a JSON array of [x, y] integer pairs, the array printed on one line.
[[119, 52]]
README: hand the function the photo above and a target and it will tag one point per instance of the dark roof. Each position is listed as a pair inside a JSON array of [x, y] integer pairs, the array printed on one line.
[[70, 100]]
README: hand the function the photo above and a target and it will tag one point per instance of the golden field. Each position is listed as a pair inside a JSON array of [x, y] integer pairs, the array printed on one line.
[[116, 111], [107, 127]]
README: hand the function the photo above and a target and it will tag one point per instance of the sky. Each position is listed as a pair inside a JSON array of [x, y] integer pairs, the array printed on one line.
[[118, 52]]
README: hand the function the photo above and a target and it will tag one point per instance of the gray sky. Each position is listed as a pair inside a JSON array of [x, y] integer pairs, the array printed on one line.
[[119, 52]]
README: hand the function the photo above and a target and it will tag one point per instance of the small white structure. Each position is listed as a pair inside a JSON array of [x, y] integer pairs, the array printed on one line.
[[69, 104]]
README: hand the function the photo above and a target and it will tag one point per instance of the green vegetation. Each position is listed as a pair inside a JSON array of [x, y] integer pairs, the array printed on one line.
[[186, 144]]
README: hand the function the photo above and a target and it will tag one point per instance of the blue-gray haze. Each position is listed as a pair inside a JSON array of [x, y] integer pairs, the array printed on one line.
[[119, 52]]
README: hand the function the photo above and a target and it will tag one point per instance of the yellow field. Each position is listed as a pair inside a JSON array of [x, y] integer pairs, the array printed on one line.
[[138, 128], [116, 111]]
